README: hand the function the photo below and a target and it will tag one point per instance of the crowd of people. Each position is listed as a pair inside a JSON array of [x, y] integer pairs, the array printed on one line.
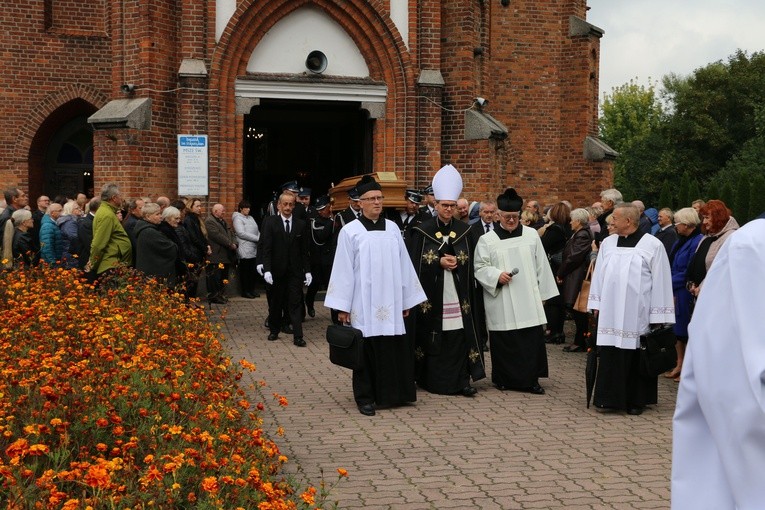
[[433, 285]]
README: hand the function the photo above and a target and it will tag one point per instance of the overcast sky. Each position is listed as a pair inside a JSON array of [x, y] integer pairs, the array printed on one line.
[[651, 38]]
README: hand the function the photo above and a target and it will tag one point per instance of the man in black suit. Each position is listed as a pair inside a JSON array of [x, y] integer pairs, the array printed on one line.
[[487, 211], [411, 216], [286, 267], [350, 213], [667, 233], [322, 250]]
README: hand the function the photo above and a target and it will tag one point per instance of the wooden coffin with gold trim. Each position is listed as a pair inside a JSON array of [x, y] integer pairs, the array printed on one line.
[[393, 189]]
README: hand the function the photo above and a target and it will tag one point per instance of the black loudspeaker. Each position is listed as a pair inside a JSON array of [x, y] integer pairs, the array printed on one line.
[[316, 62]]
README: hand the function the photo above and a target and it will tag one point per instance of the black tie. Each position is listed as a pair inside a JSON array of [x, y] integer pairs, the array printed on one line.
[[287, 223], [487, 228], [406, 221]]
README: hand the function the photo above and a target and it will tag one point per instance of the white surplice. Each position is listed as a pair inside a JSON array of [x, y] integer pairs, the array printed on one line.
[[518, 304], [718, 455], [373, 279], [631, 288]]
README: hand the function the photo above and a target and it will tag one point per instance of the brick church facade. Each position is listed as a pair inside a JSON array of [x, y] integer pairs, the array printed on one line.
[[96, 91]]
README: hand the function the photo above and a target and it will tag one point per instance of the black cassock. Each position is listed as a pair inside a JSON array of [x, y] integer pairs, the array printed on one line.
[[445, 360]]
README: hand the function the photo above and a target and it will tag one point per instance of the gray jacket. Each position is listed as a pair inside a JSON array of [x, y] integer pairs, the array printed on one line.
[[247, 234]]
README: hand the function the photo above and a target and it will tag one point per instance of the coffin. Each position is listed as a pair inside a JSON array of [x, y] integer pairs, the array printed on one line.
[[393, 189]]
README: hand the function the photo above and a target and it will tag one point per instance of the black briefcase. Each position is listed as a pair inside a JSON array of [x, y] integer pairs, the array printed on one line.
[[657, 351], [346, 346]]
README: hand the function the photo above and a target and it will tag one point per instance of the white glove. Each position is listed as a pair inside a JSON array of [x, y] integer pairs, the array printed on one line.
[[259, 269], [269, 278], [308, 280]]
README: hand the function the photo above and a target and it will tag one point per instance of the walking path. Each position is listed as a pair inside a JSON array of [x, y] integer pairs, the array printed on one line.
[[498, 450]]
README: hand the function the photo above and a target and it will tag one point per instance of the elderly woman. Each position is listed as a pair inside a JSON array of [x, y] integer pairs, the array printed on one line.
[[688, 238], [18, 246], [717, 226], [554, 237], [51, 240], [171, 227], [70, 239], [199, 245], [247, 234], [571, 273], [156, 254]]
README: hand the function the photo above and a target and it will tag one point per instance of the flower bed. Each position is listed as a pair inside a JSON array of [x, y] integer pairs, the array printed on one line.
[[122, 397]]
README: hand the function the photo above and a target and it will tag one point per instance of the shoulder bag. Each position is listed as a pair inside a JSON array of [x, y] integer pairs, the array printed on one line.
[[584, 293], [346, 346], [657, 351]]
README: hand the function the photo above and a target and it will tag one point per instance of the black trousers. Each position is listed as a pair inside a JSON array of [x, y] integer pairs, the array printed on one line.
[[247, 275], [287, 291]]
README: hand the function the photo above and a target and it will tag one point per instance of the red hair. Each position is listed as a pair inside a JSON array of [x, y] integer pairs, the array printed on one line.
[[718, 213]]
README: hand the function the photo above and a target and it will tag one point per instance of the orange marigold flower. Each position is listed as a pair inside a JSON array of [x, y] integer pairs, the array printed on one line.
[[210, 484], [282, 459], [38, 449], [97, 476], [342, 472], [102, 422], [18, 448], [246, 364], [71, 504]]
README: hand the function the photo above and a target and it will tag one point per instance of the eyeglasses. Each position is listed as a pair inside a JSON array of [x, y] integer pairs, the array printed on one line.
[[372, 199], [510, 217], [447, 206]]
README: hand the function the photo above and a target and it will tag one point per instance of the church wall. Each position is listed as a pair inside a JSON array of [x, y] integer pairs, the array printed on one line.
[[540, 82]]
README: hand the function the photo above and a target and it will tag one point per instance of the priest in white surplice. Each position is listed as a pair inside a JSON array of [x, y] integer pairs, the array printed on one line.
[[512, 267], [373, 285], [718, 453], [631, 290]]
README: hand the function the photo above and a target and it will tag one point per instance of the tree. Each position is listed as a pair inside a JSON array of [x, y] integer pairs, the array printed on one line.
[[741, 200], [757, 197], [682, 191], [693, 191], [665, 198], [630, 122], [726, 194], [713, 191]]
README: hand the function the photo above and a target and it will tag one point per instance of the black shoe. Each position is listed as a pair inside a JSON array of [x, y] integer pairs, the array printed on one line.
[[485, 348], [635, 411], [574, 348], [266, 324], [273, 336], [287, 330], [557, 338], [502, 387], [299, 341], [311, 311], [468, 391], [536, 390], [367, 409], [217, 300], [249, 295]]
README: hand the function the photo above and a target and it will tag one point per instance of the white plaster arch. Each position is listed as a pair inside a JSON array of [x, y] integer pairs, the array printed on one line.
[[285, 47]]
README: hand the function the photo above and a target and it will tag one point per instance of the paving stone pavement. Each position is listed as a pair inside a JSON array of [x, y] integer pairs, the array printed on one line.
[[498, 450]]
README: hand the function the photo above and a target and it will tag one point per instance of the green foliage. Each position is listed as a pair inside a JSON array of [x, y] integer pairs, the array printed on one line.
[[665, 198], [630, 123], [713, 191], [757, 196], [710, 124], [693, 191], [682, 191], [726, 194], [741, 200]]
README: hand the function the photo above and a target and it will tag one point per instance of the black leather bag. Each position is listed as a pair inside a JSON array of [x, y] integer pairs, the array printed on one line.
[[346, 346], [657, 351]]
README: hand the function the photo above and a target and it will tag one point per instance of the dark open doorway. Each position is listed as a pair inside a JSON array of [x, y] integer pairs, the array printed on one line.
[[317, 143]]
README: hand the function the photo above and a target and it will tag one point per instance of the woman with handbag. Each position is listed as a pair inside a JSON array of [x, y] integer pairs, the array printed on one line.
[[554, 236], [571, 274]]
